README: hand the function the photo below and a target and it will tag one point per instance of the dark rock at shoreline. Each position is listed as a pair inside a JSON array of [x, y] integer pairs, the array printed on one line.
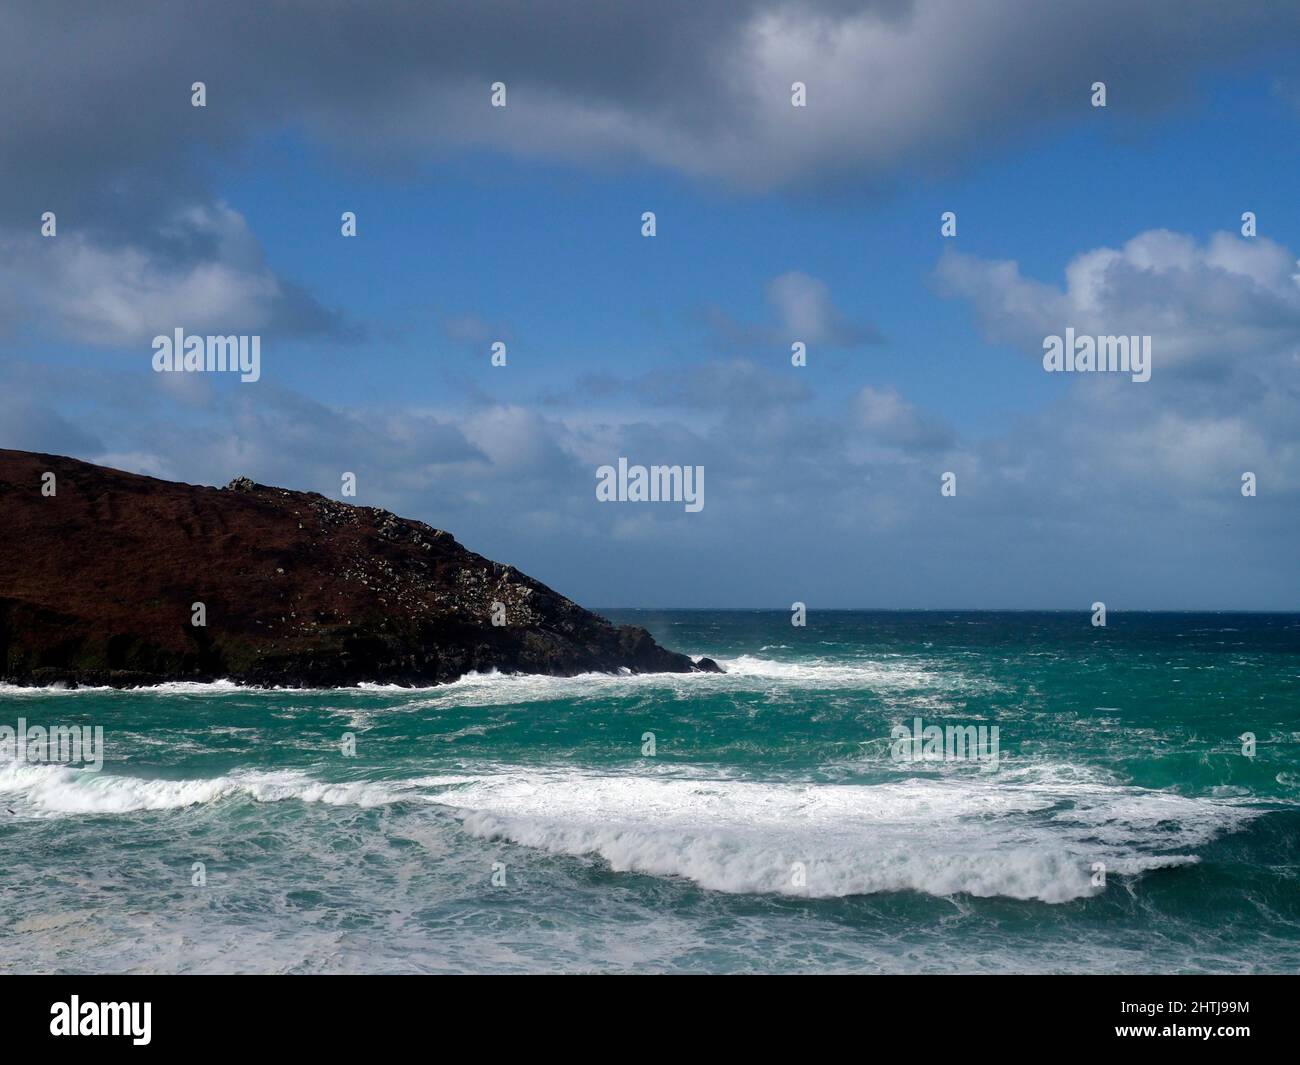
[[98, 584]]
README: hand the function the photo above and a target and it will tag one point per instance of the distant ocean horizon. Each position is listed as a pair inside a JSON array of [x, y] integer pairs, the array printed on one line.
[[608, 611], [1141, 813]]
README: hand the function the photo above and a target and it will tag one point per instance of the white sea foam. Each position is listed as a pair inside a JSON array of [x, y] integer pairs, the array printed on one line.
[[21, 691], [45, 790], [866, 674], [978, 836], [743, 672], [1033, 832], [175, 687]]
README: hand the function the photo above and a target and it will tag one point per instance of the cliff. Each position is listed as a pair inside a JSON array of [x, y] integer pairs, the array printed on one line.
[[99, 581]]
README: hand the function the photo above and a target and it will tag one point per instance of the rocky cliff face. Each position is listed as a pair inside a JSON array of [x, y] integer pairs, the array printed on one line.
[[99, 584]]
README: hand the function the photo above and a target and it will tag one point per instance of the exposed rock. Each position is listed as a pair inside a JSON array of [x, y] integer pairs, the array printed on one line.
[[98, 585]]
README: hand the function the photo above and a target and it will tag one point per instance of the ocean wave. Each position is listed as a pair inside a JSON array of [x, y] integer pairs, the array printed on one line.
[[744, 671], [1033, 832], [45, 790], [173, 687], [1040, 837], [836, 673]]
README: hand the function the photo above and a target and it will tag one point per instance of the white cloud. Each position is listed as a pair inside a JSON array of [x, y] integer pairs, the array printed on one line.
[[126, 295], [807, 313], [804, 311], [1231, 304], [886, 418]]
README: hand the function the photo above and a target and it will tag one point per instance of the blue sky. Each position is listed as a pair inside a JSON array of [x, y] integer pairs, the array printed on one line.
[[822, 482], [553, 254]]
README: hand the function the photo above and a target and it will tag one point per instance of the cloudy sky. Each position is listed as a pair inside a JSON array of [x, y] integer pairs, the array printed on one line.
[[818, 224]]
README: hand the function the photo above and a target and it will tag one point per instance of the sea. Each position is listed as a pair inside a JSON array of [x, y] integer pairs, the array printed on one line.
[[1139, 814]]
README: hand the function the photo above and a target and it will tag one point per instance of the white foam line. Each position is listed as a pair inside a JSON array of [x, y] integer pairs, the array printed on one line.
[[1034, 832]]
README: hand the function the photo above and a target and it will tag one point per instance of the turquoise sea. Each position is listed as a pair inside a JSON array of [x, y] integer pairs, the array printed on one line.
[[514, 824]]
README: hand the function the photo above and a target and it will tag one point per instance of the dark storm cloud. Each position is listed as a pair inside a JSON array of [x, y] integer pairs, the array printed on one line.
[[98, 111]]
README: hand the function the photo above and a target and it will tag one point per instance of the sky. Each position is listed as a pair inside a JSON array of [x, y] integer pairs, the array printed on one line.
[[774, 224]]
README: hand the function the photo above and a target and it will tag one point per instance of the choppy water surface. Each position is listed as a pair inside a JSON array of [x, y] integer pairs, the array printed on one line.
[[771, 831]]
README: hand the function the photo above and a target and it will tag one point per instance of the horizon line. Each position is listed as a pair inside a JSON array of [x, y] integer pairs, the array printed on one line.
[[957, 610]]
